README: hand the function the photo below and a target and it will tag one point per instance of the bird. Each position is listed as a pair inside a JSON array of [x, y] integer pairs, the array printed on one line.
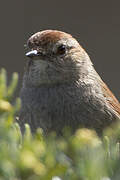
[[61, 87]]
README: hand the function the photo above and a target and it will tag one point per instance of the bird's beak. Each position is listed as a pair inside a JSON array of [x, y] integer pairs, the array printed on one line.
[[32, 53]]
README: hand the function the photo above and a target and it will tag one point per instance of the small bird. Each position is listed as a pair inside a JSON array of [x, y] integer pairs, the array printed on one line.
[[61, 87]]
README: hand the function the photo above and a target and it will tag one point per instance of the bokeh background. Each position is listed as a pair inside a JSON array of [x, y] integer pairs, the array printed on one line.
[[96, 25]]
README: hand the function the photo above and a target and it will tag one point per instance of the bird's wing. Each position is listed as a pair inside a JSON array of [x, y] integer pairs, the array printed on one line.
[[111, 99]]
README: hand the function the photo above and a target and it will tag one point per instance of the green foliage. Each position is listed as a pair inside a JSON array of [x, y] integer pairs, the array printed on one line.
[[83, 156]]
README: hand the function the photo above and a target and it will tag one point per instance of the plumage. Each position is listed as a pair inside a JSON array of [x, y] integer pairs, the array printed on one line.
[[61, 87]]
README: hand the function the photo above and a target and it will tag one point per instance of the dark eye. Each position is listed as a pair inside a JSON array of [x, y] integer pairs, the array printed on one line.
[[61, 50]]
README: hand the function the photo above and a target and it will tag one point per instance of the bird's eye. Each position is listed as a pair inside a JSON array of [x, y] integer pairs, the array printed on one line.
[[61, 50]]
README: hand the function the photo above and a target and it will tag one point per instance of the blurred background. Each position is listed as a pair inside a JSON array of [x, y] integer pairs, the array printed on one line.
[[96, 25]]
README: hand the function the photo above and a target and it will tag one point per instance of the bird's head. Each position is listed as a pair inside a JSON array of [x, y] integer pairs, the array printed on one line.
[[55, 57]]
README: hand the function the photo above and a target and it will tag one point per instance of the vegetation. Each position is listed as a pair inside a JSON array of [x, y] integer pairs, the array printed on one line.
[[83, 156]]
